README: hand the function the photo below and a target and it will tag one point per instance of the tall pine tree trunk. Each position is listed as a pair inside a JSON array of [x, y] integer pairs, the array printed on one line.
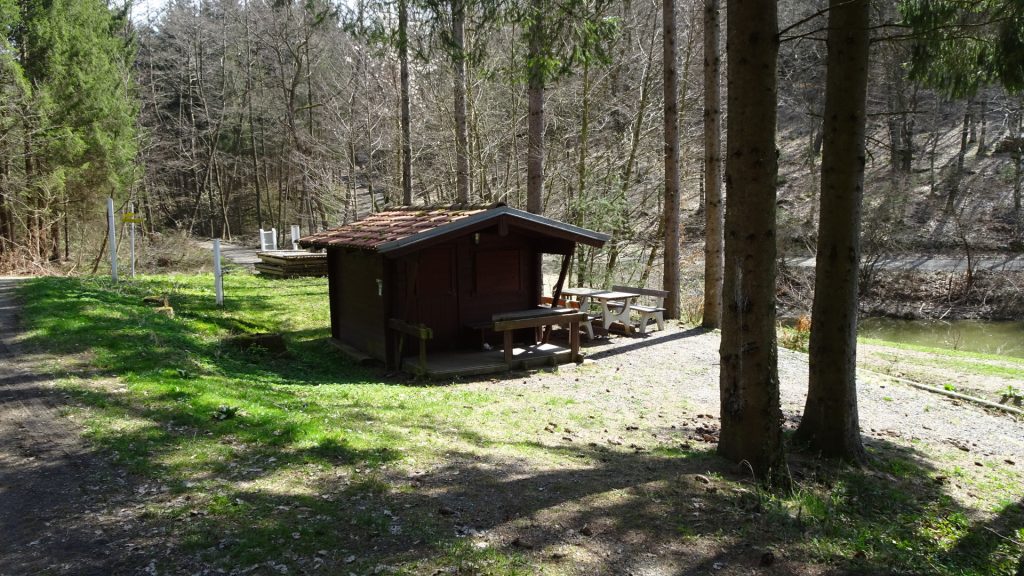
[[751, 415], [461, 132], [535, 95], [830, 423], [671, 210], [714, 216], [403, 58]]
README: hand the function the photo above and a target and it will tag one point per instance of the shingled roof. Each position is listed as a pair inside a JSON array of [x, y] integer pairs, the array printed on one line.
[[393, 230]]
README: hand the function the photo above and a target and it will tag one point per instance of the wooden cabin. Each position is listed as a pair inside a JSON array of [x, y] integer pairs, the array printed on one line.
[[448, 271]]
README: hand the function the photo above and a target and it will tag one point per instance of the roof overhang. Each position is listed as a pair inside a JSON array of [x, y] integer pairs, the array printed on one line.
[[501, 215]]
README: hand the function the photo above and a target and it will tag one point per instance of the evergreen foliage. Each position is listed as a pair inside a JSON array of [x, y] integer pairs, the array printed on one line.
[[960, 47], [68, 110]]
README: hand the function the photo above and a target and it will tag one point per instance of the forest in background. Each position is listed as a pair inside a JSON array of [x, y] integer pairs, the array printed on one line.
[[216, 118]]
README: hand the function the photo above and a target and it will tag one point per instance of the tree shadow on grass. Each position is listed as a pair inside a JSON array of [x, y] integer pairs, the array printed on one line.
[[587, 508], [266, 487]]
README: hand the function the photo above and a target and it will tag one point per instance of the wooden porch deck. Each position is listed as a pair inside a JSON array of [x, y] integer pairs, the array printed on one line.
[[475, 363]]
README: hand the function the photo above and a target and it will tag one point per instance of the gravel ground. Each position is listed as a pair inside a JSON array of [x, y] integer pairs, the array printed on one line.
[[678, 366]]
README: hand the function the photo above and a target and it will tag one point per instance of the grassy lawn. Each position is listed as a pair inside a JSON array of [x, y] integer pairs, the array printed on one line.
[[304, 463]]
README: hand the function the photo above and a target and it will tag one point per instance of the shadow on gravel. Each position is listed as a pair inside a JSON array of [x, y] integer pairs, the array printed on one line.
[[645, 342]]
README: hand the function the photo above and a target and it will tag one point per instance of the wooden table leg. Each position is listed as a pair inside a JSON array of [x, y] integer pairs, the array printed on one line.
[[508, 347], [574, 341]]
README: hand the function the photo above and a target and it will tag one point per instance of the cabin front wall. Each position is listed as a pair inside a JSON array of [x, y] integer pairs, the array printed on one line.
[[456, 286], [356, 282]]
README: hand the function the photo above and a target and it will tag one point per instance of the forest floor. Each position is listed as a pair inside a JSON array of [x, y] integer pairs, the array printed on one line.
[[178, 454]]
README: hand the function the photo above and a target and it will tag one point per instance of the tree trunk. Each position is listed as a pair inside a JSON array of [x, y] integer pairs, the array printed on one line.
[[461, 134], [671, 209], [751, 415], [982, 113], [581, 157], [403, 58], [830, 423], [714, 216], [954, 185], [6, 218], [535, 89]]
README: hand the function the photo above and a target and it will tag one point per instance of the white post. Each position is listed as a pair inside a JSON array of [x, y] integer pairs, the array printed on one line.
[[268, 239], [218, 276], [131, 210], [295, 237], [112, 239]]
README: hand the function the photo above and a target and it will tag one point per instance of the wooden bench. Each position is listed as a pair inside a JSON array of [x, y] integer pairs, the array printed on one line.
[[647, 313], [587, 324], [507, 322]]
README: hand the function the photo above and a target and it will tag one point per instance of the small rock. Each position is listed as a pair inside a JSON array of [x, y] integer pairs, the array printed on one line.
[[350, 558], [702, 479], [445, 511], [1010, 462], [587, 530]]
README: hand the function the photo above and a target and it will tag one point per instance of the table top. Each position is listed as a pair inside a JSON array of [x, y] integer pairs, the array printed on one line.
[[599, 294], [531, 313], [613, 295], [581, 291]]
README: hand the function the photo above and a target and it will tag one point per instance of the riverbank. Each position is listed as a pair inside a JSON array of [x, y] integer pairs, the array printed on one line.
[[918, 294]]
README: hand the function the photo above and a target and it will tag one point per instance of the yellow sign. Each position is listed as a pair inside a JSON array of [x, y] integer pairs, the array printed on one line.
[[131, 218]]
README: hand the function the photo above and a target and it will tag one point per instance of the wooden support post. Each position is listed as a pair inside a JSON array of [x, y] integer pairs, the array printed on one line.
[[574, 340], [508, 347], [556, 293], [112, 239], [422, 332], [423, 356]]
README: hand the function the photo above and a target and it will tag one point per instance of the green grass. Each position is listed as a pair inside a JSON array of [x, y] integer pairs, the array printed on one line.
[[205, 419], [308, 459], [943, 351]]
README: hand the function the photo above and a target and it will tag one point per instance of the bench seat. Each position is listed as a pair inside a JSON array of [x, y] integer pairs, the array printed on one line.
[[647, 313]]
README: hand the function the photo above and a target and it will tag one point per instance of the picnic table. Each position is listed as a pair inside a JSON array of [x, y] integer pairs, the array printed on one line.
[[536, 318], [615, 305]]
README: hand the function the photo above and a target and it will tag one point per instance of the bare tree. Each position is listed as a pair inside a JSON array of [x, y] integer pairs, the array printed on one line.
[[751, 415], [714, 215], [830, 423], [671, 209]]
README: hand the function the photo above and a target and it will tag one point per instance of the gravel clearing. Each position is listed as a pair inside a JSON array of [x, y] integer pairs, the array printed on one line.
[[679, 368]]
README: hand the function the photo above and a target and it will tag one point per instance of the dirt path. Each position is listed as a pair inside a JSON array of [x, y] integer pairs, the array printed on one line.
[[244, 256], [927, 263], [56, 495]]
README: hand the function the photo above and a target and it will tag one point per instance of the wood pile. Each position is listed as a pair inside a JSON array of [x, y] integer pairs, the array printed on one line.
[[292, 263]]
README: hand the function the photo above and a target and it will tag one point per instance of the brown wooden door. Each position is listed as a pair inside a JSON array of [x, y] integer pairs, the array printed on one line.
[[437, 300]]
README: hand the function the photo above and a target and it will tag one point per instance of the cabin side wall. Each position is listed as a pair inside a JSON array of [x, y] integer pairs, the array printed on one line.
[[357, 303]]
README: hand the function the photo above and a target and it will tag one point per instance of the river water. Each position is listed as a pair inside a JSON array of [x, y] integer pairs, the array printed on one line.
[[1002, 338]]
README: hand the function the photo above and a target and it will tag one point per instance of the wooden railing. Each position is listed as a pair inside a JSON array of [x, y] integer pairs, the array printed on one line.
[[420, 332]]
